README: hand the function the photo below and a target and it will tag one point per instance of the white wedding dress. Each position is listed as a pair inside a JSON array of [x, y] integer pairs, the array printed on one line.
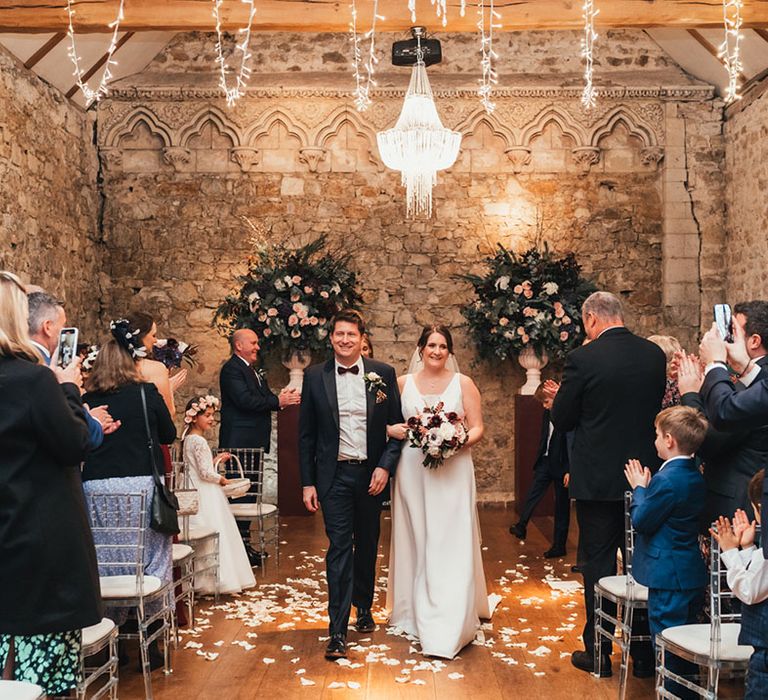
[[235, 572], [436, 589]]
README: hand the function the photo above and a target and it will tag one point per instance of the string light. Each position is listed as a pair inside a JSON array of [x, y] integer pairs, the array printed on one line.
[[233, 94], [487, 54], [363, 85], [589, 95], [730, 50], [89, 94]]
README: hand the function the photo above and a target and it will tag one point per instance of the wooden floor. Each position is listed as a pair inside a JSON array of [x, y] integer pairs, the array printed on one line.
[[266, 644]]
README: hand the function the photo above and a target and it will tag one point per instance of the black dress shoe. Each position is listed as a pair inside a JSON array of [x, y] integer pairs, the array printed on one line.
[[365, 622], [643, 668], [576, 569], [518, 530], [255, 558], [554, 553], [337, 647], [585, 662]]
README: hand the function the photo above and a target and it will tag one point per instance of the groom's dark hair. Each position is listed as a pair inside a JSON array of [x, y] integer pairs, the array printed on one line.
[[350, 316]]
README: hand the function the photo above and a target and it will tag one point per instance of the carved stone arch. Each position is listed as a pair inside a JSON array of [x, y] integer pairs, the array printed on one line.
[[139, 115], [636, 126], [479, 116], [351, 158], [216, 117], [267, 120], [563, 119]]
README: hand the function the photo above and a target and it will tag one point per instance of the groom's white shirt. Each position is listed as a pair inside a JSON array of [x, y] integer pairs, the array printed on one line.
[[350, 394]]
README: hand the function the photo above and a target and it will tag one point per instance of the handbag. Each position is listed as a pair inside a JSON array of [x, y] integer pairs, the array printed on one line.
[[189, 501], [164, 516]]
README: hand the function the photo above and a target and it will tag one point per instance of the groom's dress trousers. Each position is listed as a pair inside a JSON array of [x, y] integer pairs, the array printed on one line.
[[342, 440], [609, 397]]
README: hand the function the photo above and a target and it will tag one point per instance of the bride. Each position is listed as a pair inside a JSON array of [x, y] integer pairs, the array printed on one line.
[[436, 590]]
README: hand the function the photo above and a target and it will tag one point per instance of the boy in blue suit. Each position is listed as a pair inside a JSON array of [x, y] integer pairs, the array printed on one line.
[[665, 513]]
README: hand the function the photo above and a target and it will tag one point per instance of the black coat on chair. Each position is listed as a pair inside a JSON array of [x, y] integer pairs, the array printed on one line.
[[246, 406], [48, 573]]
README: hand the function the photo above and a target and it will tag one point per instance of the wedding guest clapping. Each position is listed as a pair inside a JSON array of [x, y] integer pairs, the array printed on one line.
[[665, 513], [213, 514], [748, 579], [48, 574]]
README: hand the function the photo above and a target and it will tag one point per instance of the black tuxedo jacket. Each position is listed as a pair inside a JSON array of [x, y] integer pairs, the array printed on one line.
[[246, 407], [610, 394], [558, 448], [319, 424]]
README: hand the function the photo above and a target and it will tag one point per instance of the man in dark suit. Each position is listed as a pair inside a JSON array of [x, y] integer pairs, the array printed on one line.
[[729, 408], [610, 394], [551, 466], [247, 401], [732, 458], [346, 461]]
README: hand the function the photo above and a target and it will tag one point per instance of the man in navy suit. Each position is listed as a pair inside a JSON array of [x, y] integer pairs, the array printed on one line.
[[551, 466], [665, 514], [346, 461], [247, 401]]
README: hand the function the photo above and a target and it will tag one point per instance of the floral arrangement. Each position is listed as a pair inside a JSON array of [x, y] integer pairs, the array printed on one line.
[[172, 353], [437, 433], [200, 405], [289, 295], [532, 300]]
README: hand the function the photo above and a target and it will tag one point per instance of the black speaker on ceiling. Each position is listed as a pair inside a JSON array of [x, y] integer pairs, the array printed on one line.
[[404, 52]]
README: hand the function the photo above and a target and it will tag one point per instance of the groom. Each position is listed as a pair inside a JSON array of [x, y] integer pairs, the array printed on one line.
[[346, 461]]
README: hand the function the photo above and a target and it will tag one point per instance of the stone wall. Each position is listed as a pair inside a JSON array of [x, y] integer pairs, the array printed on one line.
[[49, 202], [743, 259], [183, 174]]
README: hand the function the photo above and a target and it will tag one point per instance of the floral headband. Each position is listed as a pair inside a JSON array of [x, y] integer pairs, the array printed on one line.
[[200, 405], [127, 339]]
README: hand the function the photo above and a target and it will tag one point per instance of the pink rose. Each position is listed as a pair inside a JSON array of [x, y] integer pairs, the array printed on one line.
[[526, 284], [303, 312], [566, 320], [525, 338], [520, 330], [304, 322], [559, 313], [262, 317], [324, 294], [295, 333], [293, 319], [295, 297], [503, 321], [528, 311], [564, 336], [267, 332], [272, 312], [518, 289], [313, 320], [308, 290], [527, 293], [296, 279]]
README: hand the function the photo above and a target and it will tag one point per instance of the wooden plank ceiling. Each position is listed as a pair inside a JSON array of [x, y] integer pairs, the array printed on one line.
[[318, 16]]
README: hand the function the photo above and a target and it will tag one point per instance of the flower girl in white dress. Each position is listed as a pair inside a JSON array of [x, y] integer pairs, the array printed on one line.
[[235, 572]]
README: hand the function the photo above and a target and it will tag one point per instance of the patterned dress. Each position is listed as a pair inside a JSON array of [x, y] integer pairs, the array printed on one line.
[[51, 661]]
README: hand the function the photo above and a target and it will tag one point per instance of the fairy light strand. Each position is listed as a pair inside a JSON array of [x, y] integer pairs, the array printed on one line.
[[730, 50], [91, 95], [233, 94], [487, 54], [589, 12], [363, 84]]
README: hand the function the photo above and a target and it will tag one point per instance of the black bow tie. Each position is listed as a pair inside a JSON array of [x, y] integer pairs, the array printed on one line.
[[354, 369]]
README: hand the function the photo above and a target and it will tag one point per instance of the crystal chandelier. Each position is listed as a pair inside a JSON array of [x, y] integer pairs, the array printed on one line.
[[418, 145]]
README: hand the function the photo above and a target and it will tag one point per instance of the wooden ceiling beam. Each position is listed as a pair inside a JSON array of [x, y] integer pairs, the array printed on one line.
[[44, 50], [89, 73], [37, 16]]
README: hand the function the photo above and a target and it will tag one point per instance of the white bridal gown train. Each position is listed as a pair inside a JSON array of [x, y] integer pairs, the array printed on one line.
[[235, 571], [436, 589]]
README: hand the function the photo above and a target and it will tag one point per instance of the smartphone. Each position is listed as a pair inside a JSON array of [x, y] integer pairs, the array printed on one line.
[[67, 346], [724, 321]]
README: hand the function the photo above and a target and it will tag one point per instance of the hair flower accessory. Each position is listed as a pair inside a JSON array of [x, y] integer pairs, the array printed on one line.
[[125, 336], [198, 405], [91, 354]]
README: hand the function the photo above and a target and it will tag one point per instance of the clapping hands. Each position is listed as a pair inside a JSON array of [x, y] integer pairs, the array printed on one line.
[[740, 533], [550, 389], [637, 474], [689, 373], [289, 397]]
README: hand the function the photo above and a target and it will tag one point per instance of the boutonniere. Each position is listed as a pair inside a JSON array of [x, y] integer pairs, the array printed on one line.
[[374, 382]]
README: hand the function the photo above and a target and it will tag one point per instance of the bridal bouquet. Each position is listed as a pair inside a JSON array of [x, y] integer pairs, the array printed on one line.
[[437, 433]]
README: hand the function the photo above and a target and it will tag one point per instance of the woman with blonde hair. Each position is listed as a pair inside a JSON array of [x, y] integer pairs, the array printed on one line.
[[672, 349], [43, 523]]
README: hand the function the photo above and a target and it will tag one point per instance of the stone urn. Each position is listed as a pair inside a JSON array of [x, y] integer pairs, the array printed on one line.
[[532, 363], [296, 363]]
